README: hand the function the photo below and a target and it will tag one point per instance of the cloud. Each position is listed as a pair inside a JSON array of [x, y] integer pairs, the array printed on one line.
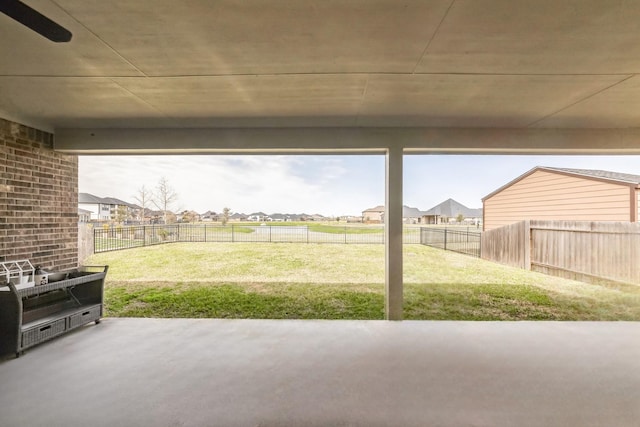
[[325, 184], [286, 184]]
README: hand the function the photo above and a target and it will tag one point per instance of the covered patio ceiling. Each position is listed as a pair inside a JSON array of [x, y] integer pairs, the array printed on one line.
[[431, 75], [289, 76]]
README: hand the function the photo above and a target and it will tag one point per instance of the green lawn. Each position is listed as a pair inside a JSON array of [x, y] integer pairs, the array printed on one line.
[[338, 281]]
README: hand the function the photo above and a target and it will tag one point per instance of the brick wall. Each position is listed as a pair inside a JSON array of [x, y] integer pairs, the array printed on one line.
[[38, 199]]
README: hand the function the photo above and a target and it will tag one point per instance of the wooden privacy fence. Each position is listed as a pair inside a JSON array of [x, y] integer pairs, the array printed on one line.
[[580, 250]]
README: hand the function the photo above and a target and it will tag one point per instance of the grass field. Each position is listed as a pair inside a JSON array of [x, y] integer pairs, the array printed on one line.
[[304, 281]]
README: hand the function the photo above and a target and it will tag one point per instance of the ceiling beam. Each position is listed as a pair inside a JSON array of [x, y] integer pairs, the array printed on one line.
[[347, 140]]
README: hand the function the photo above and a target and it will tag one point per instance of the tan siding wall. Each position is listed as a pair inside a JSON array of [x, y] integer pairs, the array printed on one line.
[[638, 197], [549, 196]]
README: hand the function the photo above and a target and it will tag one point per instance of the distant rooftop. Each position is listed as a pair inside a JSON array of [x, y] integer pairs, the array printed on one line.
[[451, 209], [90, 198]]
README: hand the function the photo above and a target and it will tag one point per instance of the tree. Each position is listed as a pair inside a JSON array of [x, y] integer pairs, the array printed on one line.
[[225, 216], [121, 214], [144, 198], [189, 216], [460, 218], [164, 197]]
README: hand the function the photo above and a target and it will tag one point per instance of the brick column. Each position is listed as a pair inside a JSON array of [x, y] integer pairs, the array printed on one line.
[[38, 199]]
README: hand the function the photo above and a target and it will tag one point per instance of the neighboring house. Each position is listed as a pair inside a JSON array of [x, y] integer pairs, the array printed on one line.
[[107, 208], [209, 216], [411, 215], [84, 215], [238, 217], [448, 212], [437, 215], [373, 215], [547, 193], [122, 211], [258, 216], [278, 217], [156, 217], [99, 210]]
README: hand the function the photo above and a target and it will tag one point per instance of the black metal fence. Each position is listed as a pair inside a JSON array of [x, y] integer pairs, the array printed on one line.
[[456, 240], [117, 237]]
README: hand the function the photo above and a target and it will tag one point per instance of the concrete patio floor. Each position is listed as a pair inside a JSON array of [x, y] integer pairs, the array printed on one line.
[[210, 372]]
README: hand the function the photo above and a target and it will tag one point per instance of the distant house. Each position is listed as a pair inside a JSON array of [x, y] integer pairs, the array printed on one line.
[[84, 215], [278, 217], [547, 193], [411, 215], [209, 216], [258, 216], [373, 215], [449, 211], [157, 217], [437, 215], [238, 217], [107, 208]]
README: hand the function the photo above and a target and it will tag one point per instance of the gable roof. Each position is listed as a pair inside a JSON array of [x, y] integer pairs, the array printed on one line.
[[379, 208], [451, 208], [88, 198], [596, 174], [91, 199], [409, 212]]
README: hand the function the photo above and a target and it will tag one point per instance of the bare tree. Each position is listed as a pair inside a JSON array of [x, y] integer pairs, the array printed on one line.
[[165, 197], [225, 216], [144, 198]]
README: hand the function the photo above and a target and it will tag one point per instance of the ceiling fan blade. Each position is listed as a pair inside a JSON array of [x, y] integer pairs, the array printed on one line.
[[35, 20]]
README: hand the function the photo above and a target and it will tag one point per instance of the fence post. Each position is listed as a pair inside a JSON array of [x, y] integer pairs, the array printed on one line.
[[270, 233], [345, 234], [205, 233], [527, 243], [233, 236], [144, 235], [307, 233], [445, 238]]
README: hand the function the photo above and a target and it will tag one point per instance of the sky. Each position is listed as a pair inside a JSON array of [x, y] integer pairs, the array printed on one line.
[[317, 184]]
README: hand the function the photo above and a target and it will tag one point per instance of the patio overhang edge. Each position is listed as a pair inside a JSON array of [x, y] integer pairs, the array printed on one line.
[[345, 140]]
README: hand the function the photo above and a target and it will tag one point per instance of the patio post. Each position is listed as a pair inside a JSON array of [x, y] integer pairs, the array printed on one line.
[[393, 233]]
